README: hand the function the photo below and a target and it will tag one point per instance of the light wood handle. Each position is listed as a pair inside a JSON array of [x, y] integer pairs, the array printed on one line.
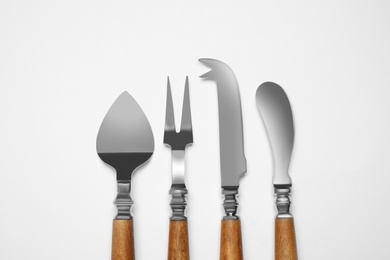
[[178, 248], [231, 242], [123, 240], [285, 244]]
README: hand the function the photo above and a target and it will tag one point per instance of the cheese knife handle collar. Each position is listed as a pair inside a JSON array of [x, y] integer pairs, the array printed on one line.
[[283, 201], [123, 200], [230, 202]]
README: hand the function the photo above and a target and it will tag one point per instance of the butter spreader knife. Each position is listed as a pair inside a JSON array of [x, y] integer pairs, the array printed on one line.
[[276, 113]]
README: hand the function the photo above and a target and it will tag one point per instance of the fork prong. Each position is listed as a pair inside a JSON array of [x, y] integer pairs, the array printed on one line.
[[186, 123], [169, 115]]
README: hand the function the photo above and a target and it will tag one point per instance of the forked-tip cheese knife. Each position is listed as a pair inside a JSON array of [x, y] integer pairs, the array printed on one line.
[[275, 110], [125, 142], [233, 162]]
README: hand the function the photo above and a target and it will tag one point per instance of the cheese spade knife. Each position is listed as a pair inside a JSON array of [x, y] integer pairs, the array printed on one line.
[[233, 162], [125, 142], [275, 110]]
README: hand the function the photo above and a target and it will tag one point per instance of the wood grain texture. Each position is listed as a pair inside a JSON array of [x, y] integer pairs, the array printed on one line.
[[122, 240], [178, 248], [285, 243], [231, 241]]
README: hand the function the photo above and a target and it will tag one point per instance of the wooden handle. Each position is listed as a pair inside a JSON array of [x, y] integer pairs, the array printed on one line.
[[178, 240], [122, 240], [285, 244], [231, 242]]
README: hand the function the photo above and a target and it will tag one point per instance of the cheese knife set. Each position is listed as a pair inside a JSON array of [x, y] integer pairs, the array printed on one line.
[[125, 142]]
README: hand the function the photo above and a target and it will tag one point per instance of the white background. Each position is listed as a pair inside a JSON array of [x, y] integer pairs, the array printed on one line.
[[63, 63]]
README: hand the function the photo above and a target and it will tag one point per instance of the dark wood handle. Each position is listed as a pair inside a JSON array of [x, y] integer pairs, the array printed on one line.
[[231, 242], [122, 240], [285, 244], [178, 248]]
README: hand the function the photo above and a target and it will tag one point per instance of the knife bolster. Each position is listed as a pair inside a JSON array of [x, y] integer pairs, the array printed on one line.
[[230, 203], [178, 202], [283, 201], [123, 200]]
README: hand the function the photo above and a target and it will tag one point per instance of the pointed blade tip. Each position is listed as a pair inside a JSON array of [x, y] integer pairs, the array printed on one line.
[[186, 120], [124, 97], [169, 113], [125, 93], [206, 63]]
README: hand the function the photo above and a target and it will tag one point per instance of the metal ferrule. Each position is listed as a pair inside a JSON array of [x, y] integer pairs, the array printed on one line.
[[230, 203], [123, 200], [178, 202], [283, 202]]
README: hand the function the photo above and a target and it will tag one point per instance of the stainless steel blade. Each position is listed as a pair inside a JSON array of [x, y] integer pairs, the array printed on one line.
[[233, 162], [275, 110], [125, 139]]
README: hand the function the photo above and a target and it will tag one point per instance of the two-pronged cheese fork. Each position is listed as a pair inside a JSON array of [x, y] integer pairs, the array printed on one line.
[[178, 248]]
